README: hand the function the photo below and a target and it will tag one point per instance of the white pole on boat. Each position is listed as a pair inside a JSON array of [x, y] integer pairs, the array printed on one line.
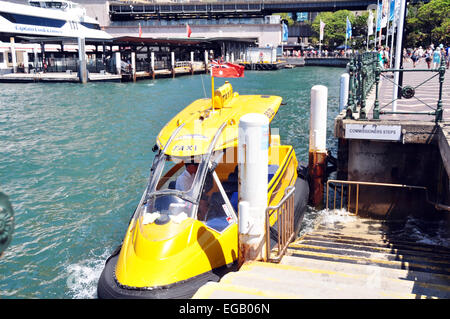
[[317, 143], [343, 93], [82, 68], [253, 159], [398, 53]]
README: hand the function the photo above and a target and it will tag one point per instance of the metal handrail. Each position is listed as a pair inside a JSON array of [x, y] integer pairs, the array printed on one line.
[[285, 220], [439, 107], [365, 71], [358, 183], [183, 64], [362, 71]]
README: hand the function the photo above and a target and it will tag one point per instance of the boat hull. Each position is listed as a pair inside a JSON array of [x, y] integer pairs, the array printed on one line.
[[109, 288]]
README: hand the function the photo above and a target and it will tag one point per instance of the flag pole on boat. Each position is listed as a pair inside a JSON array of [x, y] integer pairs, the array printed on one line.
[[212, 89]]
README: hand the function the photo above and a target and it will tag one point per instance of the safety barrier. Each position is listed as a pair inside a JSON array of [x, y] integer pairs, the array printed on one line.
[[284, 231], [362, 69], [357, 184], [408, 92], [365, 71]]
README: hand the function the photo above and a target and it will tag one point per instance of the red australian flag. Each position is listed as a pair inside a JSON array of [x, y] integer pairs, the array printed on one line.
[[226, 70]]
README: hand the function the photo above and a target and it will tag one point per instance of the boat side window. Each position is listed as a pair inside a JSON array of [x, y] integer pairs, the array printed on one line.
[[2, 59], [32, 20], [212, 209], [91, 25]]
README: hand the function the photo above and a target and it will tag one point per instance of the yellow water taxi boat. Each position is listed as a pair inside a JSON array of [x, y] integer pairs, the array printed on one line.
[[184, 230]]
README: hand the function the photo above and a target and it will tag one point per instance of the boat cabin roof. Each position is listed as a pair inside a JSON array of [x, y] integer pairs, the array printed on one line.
[[200, 121]]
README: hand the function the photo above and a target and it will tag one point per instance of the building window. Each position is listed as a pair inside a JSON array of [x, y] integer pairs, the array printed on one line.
[[91, 25], [32, 20]]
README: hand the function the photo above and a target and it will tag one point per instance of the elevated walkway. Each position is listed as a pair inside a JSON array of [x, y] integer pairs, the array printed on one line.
[[122, 10], [354, 258]]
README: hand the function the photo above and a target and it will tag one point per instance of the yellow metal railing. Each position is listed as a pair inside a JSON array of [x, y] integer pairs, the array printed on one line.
[[357, 184], [285, 231]]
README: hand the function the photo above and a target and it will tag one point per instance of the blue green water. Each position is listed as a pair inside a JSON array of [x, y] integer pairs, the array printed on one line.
[[74, 160]]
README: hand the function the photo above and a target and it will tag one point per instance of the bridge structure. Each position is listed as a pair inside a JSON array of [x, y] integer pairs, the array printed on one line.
[[143, 10]]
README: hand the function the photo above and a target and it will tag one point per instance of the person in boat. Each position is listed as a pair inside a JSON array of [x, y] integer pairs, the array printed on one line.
[[184, 183], [185, 180]]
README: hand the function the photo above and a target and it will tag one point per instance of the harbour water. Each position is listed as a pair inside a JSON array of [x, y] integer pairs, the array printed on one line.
[[74, 160]]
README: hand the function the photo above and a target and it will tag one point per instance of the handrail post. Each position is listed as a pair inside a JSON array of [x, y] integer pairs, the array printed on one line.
[[362, 110], [286, 232], [376, 106], [351, 90], [358, 86], [439, 109]]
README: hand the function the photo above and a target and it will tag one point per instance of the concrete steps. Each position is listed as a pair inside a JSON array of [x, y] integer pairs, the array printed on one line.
[[358, 259]]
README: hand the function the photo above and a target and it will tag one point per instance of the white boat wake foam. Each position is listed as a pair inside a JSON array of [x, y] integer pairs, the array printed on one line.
[[83, 277]]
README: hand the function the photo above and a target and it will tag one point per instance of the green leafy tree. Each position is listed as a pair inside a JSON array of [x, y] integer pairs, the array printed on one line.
[[428, 23], [435, 18], [335, 27], [287, 17], [360, 31]]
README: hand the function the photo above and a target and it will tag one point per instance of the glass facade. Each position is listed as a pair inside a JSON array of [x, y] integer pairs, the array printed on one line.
[[191, 22], [32, 20]]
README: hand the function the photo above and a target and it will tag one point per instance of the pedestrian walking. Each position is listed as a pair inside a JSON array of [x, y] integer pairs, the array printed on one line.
[[428, 56], [448, 56], [436, 58], [415, 57]]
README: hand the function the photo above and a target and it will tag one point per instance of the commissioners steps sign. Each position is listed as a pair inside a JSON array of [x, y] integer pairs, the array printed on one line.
[[373, 132]]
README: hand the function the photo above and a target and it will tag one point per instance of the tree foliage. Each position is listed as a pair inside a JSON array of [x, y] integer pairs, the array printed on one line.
[[285, 16], [335, 25], [425, 24], [428, 23], [335, 28]]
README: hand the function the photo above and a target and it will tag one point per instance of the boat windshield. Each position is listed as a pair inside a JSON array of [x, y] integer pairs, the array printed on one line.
[[172, 186], [49, 4], [178, 190]]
